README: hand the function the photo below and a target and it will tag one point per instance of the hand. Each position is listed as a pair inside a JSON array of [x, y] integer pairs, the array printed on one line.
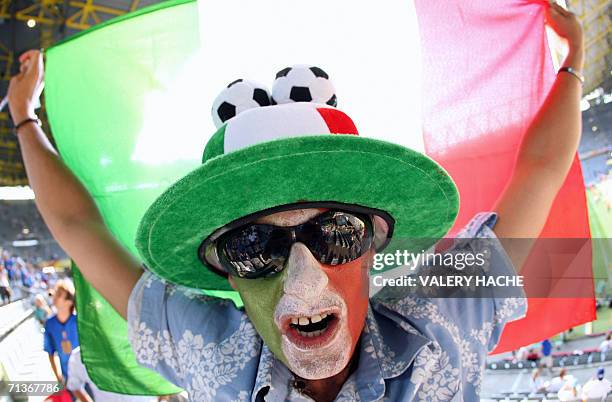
[[25, 88], [565, 24]]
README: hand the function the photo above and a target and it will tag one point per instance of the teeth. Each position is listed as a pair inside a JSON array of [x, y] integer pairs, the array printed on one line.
[[311, 334], [308, 320]]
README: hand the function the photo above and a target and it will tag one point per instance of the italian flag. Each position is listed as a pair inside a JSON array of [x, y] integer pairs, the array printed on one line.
[[128, 102]]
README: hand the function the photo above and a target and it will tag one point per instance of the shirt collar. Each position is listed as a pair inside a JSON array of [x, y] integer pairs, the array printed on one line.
[[395, 342], [264, 373], [388, 347]]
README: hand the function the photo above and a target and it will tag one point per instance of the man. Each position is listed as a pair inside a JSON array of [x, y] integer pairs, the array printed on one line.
[[598, 388], [604, 346], [547, 358], [294, 224], [5, 286], [557, 383], [61, 335]]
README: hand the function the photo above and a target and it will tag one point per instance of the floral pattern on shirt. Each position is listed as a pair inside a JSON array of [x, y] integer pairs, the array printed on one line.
[[203, 367], [412, 348], [438, 379]]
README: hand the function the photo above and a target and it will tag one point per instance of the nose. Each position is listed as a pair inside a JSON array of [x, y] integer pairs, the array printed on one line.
[[305, 278]]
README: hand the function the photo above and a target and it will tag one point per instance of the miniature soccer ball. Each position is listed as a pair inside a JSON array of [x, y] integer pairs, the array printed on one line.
[[239, 96], [303, 83]]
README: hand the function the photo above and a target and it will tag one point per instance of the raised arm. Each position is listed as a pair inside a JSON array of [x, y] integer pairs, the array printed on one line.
[[548, 148], [65, 205]]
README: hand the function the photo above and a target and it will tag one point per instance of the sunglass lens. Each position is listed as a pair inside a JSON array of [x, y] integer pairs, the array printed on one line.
[[339, 237], [255, 250]]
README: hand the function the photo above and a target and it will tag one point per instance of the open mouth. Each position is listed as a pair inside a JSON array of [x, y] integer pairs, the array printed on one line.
[[312, 331], [311, 326]]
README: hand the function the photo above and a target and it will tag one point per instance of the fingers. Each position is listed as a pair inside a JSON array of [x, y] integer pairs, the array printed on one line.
[[30, 54], [31, 62], [554, 7]]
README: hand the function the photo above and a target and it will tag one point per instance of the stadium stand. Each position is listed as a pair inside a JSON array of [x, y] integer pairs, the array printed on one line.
[[21, 355], [527, 397], [22, 221], [596, 142], [560, 359]]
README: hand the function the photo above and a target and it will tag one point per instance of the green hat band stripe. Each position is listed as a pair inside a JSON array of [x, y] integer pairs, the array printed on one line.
[[214, 147]]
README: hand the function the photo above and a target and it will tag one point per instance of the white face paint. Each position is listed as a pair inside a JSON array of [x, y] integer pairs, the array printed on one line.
[[307, 295], [311, 330], [290, 218]]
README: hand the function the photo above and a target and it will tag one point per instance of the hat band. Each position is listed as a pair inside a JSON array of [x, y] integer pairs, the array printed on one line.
[[259, 125]]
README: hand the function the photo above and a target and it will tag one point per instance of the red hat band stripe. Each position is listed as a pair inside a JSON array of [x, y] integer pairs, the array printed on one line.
[[337, 121], [269, 123]]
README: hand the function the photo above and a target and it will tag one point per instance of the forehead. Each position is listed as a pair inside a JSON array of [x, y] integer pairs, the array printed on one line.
[[290, 218]]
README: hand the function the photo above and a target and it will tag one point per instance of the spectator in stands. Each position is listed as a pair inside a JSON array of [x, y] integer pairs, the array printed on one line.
[[79, 379], [596, 388], [605, 345], [44, 281], [8, 264], [42, 311], [547, 359], [568, 392], [566, 334], [61, 336], [521, 353], [558, 382], [25, 274], [538, 385], [533, 355], [5, 286], [7, 261]]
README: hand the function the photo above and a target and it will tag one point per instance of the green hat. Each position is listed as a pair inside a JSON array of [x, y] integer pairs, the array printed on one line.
[[284, 155]]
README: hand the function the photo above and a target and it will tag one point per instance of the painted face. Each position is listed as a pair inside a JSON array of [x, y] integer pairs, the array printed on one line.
[[310, 315]]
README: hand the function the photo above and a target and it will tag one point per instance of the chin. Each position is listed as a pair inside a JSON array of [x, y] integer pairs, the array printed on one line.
[[319, 362], [315, 339]]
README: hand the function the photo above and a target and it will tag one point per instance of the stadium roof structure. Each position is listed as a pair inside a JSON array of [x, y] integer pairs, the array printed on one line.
[[26, 24]]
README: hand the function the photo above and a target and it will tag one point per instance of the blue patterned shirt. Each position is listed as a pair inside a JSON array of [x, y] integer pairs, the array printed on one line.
[[412, 348]]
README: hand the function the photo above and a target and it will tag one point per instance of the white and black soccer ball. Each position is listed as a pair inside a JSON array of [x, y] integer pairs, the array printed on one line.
[[238, 96], [303, 83]]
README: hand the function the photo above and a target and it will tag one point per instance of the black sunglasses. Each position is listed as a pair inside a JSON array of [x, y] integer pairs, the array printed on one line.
[[260, 250]]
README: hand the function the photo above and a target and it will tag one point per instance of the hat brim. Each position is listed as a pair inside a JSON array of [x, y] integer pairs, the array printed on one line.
[[412, 188]]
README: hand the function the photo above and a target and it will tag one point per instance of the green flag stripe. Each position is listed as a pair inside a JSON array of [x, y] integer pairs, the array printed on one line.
[[104, 90]]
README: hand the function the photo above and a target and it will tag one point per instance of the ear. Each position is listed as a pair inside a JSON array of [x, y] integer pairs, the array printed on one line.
[[381, 229]]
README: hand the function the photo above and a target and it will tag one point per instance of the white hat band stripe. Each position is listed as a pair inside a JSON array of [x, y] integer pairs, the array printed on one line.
[[265, 124]]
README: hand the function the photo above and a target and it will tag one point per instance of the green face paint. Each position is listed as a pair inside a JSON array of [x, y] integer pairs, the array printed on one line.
[[310, 315], [260, 297]]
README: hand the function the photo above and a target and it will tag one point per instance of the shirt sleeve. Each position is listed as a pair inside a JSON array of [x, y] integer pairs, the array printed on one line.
[[49, 347], [487, 315], [168, 326], [463, 314]]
